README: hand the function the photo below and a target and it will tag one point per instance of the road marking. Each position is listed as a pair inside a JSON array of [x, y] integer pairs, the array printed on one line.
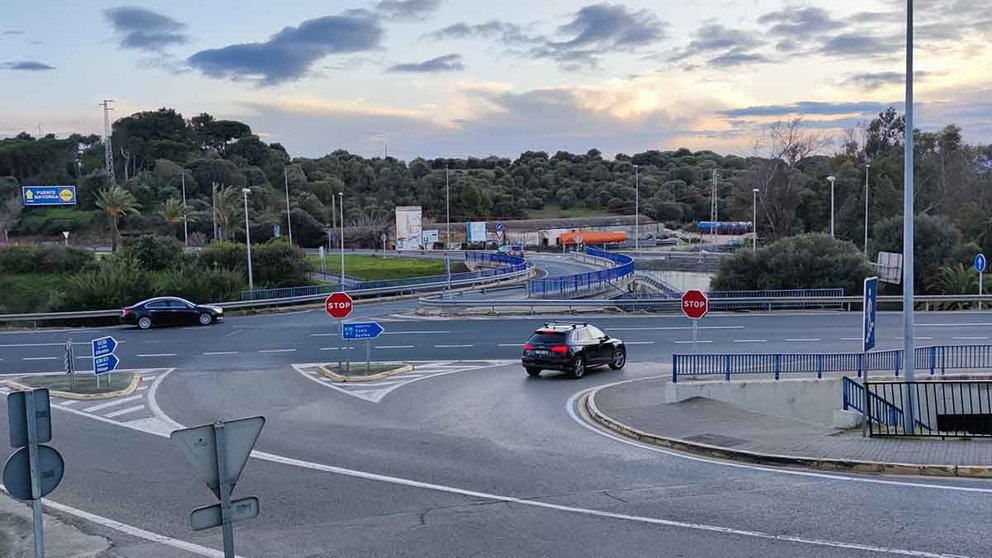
[[85, 357], [218, 353], [670, 328], [453, 346], [277, 351], [969, 338], [334, 348], [801, 340], [16, 345], [324, 334], [963, 324], [393, 346], [510, 345], [851, 339], [69, 402], [688, 342], [125, 411], [39, 358], [154, 355], [638, 342], [750, 340], [142, 388], [102, 406], [415, 332]]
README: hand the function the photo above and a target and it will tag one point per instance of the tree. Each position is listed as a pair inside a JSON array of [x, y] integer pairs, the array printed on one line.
[[225, 209], [937, 244], [116, 202], [173, 213]]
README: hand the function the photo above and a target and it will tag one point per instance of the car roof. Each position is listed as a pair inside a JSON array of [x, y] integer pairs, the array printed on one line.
[[158, 298], [560, 327]]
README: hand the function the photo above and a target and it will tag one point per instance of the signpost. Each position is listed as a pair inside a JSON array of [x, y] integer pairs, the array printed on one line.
[[34, 470], [104, 359], [980, 268], [70, 364], [695, 305], [218, 453], [869, 307], [499, 232], [276, 231], [366, 331], [339, 306], [48, 195]]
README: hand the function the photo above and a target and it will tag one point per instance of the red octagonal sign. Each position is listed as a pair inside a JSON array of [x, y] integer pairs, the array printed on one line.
[[695, 305], [338, 305]]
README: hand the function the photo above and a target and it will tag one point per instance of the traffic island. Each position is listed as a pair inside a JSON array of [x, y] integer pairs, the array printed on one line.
[[359, 372], [83, 386]]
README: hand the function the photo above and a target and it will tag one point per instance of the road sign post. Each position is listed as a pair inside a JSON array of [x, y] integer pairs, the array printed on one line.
[[218, 453], [105, 360], [70, 364], [695, 305], [980, 268], [869, 306], [366, 331], [500, 233], [339, 306]]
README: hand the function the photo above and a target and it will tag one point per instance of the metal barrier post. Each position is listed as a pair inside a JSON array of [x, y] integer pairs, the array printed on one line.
[[726, 364], [675, 368], [778, 365], [819, 366]]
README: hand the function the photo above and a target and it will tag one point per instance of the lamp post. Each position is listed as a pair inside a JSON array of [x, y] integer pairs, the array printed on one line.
[[251, 281], [908, 214], [867, 166], [447, 210], [341, 222], [185, 211], [289, 216], [754, 220], [831, 179], [637, 209]]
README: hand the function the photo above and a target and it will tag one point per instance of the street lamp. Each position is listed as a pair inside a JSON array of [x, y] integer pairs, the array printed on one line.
[[867, 166], [447, 211], [185, 211], [637, 209], [831, 179], [251, 281], [289, 216], [341, 222], [754, 220]]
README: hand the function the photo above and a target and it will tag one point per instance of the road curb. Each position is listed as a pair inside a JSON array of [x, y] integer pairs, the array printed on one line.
[[335, 377], [131, 388], [835, 465]]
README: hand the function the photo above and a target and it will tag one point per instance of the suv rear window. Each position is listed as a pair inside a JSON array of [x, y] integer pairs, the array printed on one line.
[[548, 338]]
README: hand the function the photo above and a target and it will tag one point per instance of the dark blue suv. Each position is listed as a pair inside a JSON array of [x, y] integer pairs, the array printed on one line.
[[572, 348]]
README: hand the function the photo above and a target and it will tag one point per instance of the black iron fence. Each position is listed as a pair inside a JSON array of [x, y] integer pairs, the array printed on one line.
[[955, 408]]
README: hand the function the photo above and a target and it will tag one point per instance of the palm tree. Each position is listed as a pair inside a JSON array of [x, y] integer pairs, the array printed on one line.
[[172, 213], [116, 202], [225, 207]]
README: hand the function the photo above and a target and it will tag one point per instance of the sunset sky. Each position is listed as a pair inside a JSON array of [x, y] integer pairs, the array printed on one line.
[[458, 77]]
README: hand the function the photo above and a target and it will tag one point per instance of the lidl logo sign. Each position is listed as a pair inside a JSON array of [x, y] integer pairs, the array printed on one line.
[[48, 195]]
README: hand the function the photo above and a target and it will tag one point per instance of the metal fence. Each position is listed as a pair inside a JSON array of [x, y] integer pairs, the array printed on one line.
[[780, 299], [939, 408], [881, 410], [583, 283], [506, 265], [939, 358]]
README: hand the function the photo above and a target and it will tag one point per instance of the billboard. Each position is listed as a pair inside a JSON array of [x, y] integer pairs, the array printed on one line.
[[430, 237], [409, 228], [476, 231], [48, 195]]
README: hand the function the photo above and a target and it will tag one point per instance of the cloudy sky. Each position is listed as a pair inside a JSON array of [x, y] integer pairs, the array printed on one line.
[[466, 77]]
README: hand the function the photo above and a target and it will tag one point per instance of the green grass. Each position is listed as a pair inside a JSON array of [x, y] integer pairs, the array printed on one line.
[[550, 211], [378, 268], [84, 382], [28, 292]]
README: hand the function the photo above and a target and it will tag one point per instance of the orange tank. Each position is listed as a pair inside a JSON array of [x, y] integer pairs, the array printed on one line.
[[592, 237]]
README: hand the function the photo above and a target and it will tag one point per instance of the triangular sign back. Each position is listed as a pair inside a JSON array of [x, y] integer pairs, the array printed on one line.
[[199, 445]]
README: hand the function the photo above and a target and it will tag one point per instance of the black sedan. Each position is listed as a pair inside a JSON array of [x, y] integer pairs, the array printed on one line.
[[169, 310], [572, 347]]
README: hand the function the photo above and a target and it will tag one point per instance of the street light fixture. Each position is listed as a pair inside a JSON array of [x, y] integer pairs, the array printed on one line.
[[867, 166], [341, 222], [637, 209], [447, 211], [185, 211], [754, 220], [251, 281], [831, 179]]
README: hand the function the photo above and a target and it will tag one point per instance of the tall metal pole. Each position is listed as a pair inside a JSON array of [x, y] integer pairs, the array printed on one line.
[[908, 214], [213, 207], [289, 216], [754, 220], [251, 282], [185, 221], [867, 166], [35, 472], [637, 209], [108, 148], [341, 209], [831, 179], [447, 210], [227, 522]]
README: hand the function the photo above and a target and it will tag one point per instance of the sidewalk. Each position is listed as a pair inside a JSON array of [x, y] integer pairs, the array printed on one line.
[[61, 539], [637, 410]]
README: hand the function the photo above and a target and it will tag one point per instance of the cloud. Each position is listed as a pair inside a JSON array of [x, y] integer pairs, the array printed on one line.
[[446, 63], [857, 44], [26, 66], [600, 29], [289, 54], [799, 23], [808, 108], [143, 29], [713, 37], [738, 57], [12, 32], [870, 81], [407, 10], [502, 31]]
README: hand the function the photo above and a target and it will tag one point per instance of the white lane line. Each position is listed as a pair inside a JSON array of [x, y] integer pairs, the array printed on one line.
[[133, 531], [689, 342], [750, 340], [277, 351], [218, 353], [334, 348], [415, 332], [15, 345], [963, 324], [851, 339], [324, 334], [85, 357], [510, 345], [39, 358], [102, 406], [142, 388], [670, 328], [156, 355], [638, 342], [810, 340], [124, 411], [969, 338], [69, 402], [393, 346], [453, 346]]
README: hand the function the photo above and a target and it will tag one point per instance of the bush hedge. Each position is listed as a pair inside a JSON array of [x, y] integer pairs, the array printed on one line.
[[44, 259]]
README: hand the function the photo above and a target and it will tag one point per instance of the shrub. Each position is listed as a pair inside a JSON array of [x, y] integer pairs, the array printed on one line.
[[274, 264], [115, 283], [154, 253], [201, 285], [224, 255], [50, 259]]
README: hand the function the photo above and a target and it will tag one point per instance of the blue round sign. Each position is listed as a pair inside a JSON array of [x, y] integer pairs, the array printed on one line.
[[980, 262]]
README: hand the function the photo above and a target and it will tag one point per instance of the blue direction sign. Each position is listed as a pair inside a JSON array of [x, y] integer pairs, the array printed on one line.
[[104, 364], [980, 262], [104, 359], [276, 231], [362, 330], [48, 195], [103, 346], [869, 305]]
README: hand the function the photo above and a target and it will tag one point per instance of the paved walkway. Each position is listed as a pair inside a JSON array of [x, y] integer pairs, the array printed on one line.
[[640, 405]]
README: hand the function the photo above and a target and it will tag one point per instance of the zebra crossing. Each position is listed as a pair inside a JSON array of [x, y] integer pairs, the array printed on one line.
[[374, 391]]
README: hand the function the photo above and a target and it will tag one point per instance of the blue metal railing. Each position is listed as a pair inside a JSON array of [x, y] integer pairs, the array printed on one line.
[[881, 410], [507, 265], [583, 282], [934, 358]]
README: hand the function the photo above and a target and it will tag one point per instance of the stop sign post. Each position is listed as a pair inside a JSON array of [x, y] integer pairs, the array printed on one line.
[[339, 306], [695, 305]]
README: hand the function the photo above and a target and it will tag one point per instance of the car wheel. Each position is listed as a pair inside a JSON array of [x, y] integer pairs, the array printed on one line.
[[205, 319], [578, 367], [619, 359], [533, 371], [144, 322]]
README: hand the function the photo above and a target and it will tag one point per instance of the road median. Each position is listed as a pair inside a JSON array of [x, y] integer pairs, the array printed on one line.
[[82, 387]]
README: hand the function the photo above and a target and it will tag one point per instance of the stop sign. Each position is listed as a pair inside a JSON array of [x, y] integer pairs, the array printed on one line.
[[338, 305], [695, 305]]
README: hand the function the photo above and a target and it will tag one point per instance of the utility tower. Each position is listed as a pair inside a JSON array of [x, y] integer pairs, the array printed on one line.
[[713, 203], [108, 148]]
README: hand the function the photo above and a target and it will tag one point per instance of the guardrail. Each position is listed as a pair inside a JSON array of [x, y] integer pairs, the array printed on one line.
[[584, 283], [933, 358], [960, 408]]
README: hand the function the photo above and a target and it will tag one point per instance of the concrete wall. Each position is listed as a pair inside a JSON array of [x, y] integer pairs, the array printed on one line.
[[811, 399], [685, 280]]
